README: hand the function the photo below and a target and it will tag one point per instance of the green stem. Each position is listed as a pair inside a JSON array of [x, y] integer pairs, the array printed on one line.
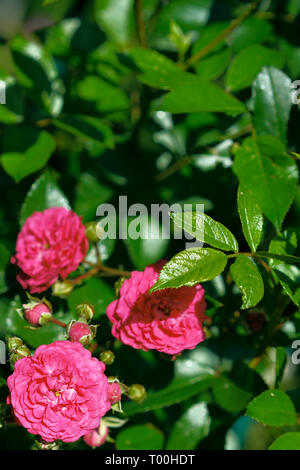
[[210, 46], [187, 160], [58, 322], [140, 22], [97, 269]]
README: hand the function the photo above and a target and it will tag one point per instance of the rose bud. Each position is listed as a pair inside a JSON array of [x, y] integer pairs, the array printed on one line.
[[62, 288], [37, 315], [19, 353], [137, 393], [107, 357], [13, 342], [17, 349], [85, 312], [81, 332], [114, 393], [91, 232], [43, 445], [97, 437]]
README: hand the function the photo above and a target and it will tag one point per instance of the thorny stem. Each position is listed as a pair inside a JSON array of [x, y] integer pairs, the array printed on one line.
[[140, 22], [92, 272], [58, 322], [173, 168], [96, 270], [210, 46], [98, 254], [188, 160], [93, 347], [270, 15]]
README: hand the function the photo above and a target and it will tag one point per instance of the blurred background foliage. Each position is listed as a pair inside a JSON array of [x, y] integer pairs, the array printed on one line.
[[86, 120]]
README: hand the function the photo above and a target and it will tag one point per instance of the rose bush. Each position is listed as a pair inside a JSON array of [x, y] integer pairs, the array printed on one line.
[[118, 116]]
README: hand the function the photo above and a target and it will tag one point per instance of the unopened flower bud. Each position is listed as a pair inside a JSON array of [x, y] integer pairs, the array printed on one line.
[[85, 311], [19, 353], [114, 392], [62, 288], [107, 357], [43, 445], [13, 342], [37, 315], [81, 332], [97, 437], [91, 232], [137, 393], [118, 284]]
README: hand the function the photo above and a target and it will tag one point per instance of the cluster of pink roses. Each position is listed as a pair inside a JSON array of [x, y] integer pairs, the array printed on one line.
[[61, 392]]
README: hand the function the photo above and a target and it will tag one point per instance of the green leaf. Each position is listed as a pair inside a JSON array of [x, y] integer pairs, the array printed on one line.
[[88, 128], [201, 97], [26, 150], [251, 218], [170, 395], [293, 7], [90, 193], [107, 97], [95, 292], [43, 194], [188, 14], [12, 111], [284, 243], [248, 279], [156, 70], [248, 63], [251, 31], [272, 102], [180, 40], [190, 429], [191, 266], [213, 66], [116, 19], [194, 372], [281, 359], [273, 408], [140, 437], [36, 70], [270, 176], [230, 396], [208, 34], [287, 441], [288, 275], [234, 389], [206, 230], [59, 38]]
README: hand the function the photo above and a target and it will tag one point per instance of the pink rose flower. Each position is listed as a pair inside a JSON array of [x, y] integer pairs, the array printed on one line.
[[50, 245], [169, 320], [60, 392], [37, 315], [114, 393], [97, 437]]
